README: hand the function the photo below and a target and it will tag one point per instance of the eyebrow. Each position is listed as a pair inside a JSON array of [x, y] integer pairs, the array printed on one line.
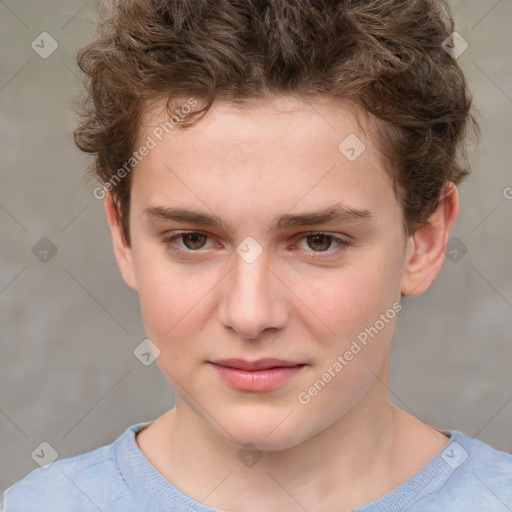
[[332, 214]]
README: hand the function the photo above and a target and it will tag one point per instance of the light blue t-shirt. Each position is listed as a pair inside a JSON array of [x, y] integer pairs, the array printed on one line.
[[467, 475]]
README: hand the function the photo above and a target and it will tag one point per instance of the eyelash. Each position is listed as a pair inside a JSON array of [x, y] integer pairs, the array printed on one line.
[[343, 244]]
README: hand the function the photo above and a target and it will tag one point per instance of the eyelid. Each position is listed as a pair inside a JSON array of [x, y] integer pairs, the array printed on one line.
[[337, 236]]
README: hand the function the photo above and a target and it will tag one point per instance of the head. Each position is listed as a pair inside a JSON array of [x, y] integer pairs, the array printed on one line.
[[311, 151]]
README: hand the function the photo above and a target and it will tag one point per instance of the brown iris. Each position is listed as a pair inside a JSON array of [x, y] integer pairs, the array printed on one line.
[[317, 238]]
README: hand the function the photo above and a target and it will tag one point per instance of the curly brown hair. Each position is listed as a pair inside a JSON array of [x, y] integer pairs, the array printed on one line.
[[386, 56]]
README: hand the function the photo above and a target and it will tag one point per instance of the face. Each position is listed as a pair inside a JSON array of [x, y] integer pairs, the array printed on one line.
[[270, 261]]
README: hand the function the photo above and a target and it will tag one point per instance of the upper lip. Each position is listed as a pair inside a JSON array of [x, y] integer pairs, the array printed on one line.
[[259, 364]]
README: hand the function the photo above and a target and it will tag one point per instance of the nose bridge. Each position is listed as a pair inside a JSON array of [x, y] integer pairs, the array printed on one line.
[[251, 279], [252, 301]]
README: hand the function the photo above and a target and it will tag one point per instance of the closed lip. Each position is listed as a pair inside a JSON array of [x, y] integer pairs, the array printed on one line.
[[259, 364]]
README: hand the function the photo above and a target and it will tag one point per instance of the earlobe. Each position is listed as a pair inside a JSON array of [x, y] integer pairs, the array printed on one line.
[[425, 250], [122, 251]]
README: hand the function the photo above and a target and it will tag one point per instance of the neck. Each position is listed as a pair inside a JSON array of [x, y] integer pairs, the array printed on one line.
[[360, 457]]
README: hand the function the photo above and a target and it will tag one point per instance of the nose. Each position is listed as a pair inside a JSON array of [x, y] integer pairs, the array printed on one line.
[[254, 299]]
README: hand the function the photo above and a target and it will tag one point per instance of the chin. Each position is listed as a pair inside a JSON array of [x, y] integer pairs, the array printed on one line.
[[267, 432]]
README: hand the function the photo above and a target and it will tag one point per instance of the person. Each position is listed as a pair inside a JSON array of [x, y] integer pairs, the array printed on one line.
[[277, 176]]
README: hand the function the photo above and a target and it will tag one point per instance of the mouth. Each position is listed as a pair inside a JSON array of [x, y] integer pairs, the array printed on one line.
[[259, 364], [260, 375]]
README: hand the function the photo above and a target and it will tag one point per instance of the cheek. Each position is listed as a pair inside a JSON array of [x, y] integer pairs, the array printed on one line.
[[358, 304], [174, 309], [349, 360], [344, 301], [174, 300]]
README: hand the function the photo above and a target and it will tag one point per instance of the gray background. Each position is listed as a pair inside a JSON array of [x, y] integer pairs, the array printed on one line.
[[69, 326]]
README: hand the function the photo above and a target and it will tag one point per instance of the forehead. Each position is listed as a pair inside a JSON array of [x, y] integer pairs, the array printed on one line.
[[281, 148], [257, 118]]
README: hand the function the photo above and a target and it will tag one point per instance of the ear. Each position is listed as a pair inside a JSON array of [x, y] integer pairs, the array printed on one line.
[[122, 251], [425, 251]]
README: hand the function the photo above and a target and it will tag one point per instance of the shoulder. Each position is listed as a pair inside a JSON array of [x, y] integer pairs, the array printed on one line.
[[483, 458], [481, 475], [86, 482]]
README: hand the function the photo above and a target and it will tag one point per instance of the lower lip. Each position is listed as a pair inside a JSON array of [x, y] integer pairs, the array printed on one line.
[[257, 380]]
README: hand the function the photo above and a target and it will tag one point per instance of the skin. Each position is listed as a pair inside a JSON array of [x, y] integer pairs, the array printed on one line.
[[346, 447]]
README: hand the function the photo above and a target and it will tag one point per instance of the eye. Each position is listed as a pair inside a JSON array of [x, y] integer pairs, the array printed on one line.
[[192, 240], [321, 244]]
